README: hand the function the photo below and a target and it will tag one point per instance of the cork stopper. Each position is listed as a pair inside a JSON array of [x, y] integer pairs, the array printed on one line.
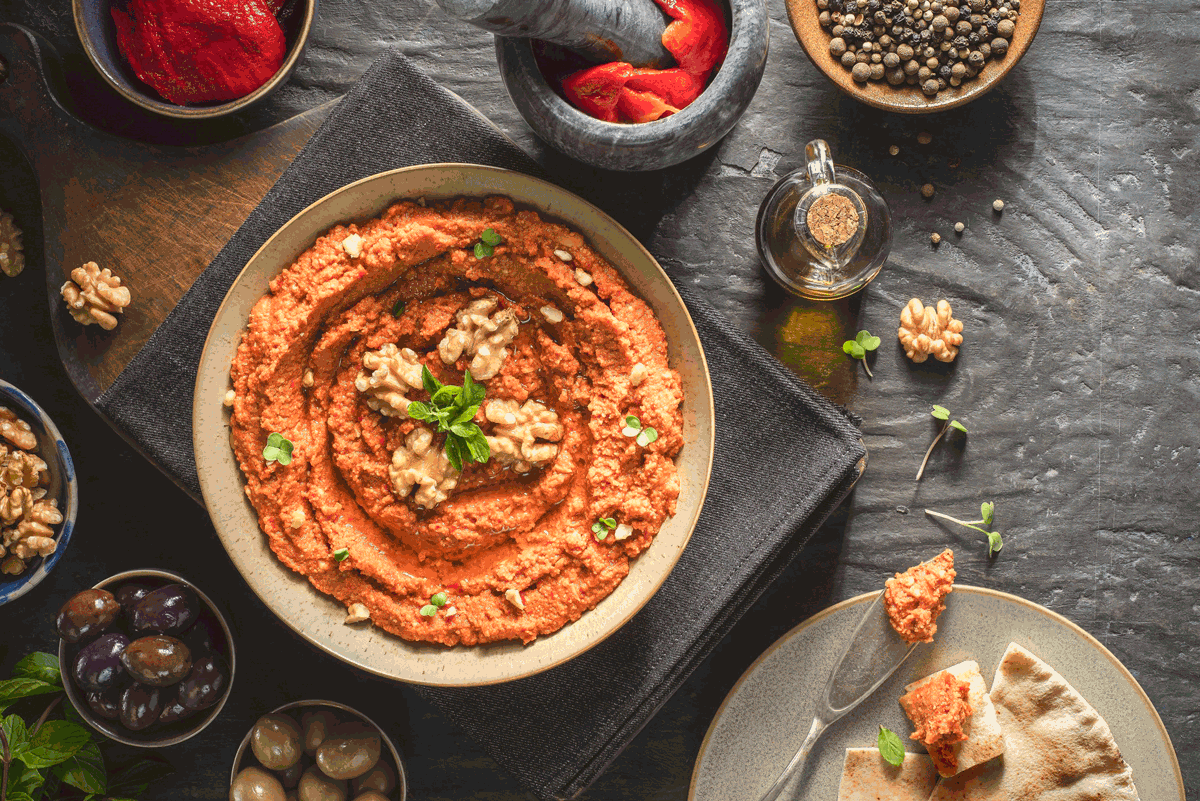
[[832, 220]]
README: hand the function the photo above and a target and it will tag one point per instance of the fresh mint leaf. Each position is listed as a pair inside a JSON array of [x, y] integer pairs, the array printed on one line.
[[85, 770], [135, 779], [454, 452], [464, 430], [478, 447], [940, 412], [40, 666], [16, 733], [466, 415], [56, 741], [418, 410], [891, 748], [24, 781], [490, 237], [431, 384], [14, 690]]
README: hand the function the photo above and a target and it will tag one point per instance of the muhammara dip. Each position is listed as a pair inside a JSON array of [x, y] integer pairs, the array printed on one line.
[[913, 599], [370, 506]]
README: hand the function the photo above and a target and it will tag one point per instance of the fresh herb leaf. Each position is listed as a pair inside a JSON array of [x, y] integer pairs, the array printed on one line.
[[891, 748], [439, 599], [135, 779], [602, 526], [483, 251], [418, 410], [24, 781], [958, 425], [278, 449], [429, 610], [341, 554], [56, 741], [399, 308], [452, 410], [646, 436], [14, 690], [987, 510], [16, 733], [490, 237], [940, 412], [632, 422], [857, 348], [431, 384], [40, 666], [84, 770]]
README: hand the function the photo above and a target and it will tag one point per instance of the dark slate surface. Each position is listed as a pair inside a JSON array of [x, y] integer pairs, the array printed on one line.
[[1078, 379]]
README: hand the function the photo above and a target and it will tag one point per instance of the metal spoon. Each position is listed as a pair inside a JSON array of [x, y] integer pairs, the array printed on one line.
[[874, 652]]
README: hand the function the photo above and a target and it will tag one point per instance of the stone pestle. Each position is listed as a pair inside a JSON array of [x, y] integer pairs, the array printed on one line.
[[604, 30]]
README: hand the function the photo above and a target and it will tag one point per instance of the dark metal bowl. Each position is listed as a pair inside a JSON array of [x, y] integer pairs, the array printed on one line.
[[93, 21], [650, 145], [171, 733]]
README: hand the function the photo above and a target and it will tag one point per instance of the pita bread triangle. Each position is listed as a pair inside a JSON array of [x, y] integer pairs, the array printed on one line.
[[1057, 747]]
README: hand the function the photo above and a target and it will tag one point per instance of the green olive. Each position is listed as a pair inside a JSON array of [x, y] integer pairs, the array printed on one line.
[[316, 786], [380, 778], [317, 726], [255, 784], [351, 750], [371, 795], [276, 742]]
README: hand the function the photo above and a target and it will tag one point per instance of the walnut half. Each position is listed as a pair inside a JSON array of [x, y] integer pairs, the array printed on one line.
[[926, 332], [392, 372], [12, 252], [95, 296], [524, 435], [420, 464], [483, 338]]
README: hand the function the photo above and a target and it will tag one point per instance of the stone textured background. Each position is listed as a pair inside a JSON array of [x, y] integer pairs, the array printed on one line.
[[1078, 380]]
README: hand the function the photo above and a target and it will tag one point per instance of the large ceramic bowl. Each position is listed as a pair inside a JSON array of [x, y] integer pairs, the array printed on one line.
[[319, 618], [803, 14], [63, 486], [649, 145], [97, 32]]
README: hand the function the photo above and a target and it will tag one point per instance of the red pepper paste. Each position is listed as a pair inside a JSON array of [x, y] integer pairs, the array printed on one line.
[[201, 51], [619, 92]]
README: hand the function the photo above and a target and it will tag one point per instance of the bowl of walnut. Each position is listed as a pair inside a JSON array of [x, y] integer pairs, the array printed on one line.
[[38, 494]]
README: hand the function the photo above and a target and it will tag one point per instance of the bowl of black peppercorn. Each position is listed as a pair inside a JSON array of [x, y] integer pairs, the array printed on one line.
[[915, 56], [147, 659]]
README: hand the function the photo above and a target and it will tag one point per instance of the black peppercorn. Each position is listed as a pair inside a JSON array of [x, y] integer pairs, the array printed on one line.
[[944, 72], [926, 35], [851, 7], [874, 5], [974, 39]]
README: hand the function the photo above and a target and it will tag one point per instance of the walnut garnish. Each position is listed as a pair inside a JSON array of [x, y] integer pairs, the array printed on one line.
[[637, 374], [514, 597], [12, 252], [924, 332], [392, 372], [95, 296], [353, 245], [419, 463], [482, 337], [357, 613], [16, 430], [23, 469], [515, 439]]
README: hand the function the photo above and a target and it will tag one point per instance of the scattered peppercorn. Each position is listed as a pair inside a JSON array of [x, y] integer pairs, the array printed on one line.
[[959, 227], [893, 150], [998, 205], [927, 191], [924, 137], [935, 237]]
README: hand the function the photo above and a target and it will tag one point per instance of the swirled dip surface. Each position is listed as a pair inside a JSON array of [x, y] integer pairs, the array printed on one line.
[[324, 361]]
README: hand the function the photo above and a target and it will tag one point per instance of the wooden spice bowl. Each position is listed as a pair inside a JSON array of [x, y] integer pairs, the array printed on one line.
[[905, 99]]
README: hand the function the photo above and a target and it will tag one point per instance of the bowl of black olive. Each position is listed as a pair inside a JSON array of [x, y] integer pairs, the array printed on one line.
[[148, 658], [317, 751]]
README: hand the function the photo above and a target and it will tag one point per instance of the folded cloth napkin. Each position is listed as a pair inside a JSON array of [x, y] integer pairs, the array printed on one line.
[[772, 485]]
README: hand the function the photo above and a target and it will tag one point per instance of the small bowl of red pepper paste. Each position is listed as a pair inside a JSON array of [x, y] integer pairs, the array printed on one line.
[[194, 59], [621, 117]]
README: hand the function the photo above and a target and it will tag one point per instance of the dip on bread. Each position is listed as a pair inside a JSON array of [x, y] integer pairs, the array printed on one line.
[[370, 504], [914, 599]]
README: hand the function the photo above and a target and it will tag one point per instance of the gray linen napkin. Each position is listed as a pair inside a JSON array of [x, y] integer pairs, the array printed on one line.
[[772, 486]]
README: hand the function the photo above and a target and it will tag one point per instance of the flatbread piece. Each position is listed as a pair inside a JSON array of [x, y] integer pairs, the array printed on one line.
[[866, 776], [984, 740]]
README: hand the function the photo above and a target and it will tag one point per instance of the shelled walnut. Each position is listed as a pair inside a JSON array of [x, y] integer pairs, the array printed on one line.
[[95, 296], [926, 332], [420, 464], [12, 252], [16, 430], [389, 374], [482, 337], [27, 517], [524, 435]]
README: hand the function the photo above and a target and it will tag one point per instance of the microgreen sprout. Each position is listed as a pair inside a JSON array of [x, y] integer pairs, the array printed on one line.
[[486, 246], [399, 308], [891, 748], [986, 511], [278, 449], [602, 526], [634, 428], [452, 409], [941, 413], [858, 347], [341, 554], [436, 602]]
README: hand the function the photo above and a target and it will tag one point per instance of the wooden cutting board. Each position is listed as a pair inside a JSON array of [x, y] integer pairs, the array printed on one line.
[[156, 215]]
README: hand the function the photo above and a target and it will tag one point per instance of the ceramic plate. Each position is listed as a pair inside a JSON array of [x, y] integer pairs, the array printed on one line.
[[764, 718], [318, 618]]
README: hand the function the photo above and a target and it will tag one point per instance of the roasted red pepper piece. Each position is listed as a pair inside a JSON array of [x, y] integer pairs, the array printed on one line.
[[675, 87], [597, 89], [698, 37], [637, 106], [200, 51]]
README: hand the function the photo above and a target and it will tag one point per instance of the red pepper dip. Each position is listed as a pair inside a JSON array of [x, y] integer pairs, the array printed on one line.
[[201, 51], [619, 92]]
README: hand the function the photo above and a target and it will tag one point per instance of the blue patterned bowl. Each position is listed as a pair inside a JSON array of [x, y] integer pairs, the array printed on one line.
[[63, 486]]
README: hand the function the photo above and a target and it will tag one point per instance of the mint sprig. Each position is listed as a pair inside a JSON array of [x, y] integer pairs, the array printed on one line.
[[451, 410], [891, 748], [858, 347], [987, 511], [939, 413]]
